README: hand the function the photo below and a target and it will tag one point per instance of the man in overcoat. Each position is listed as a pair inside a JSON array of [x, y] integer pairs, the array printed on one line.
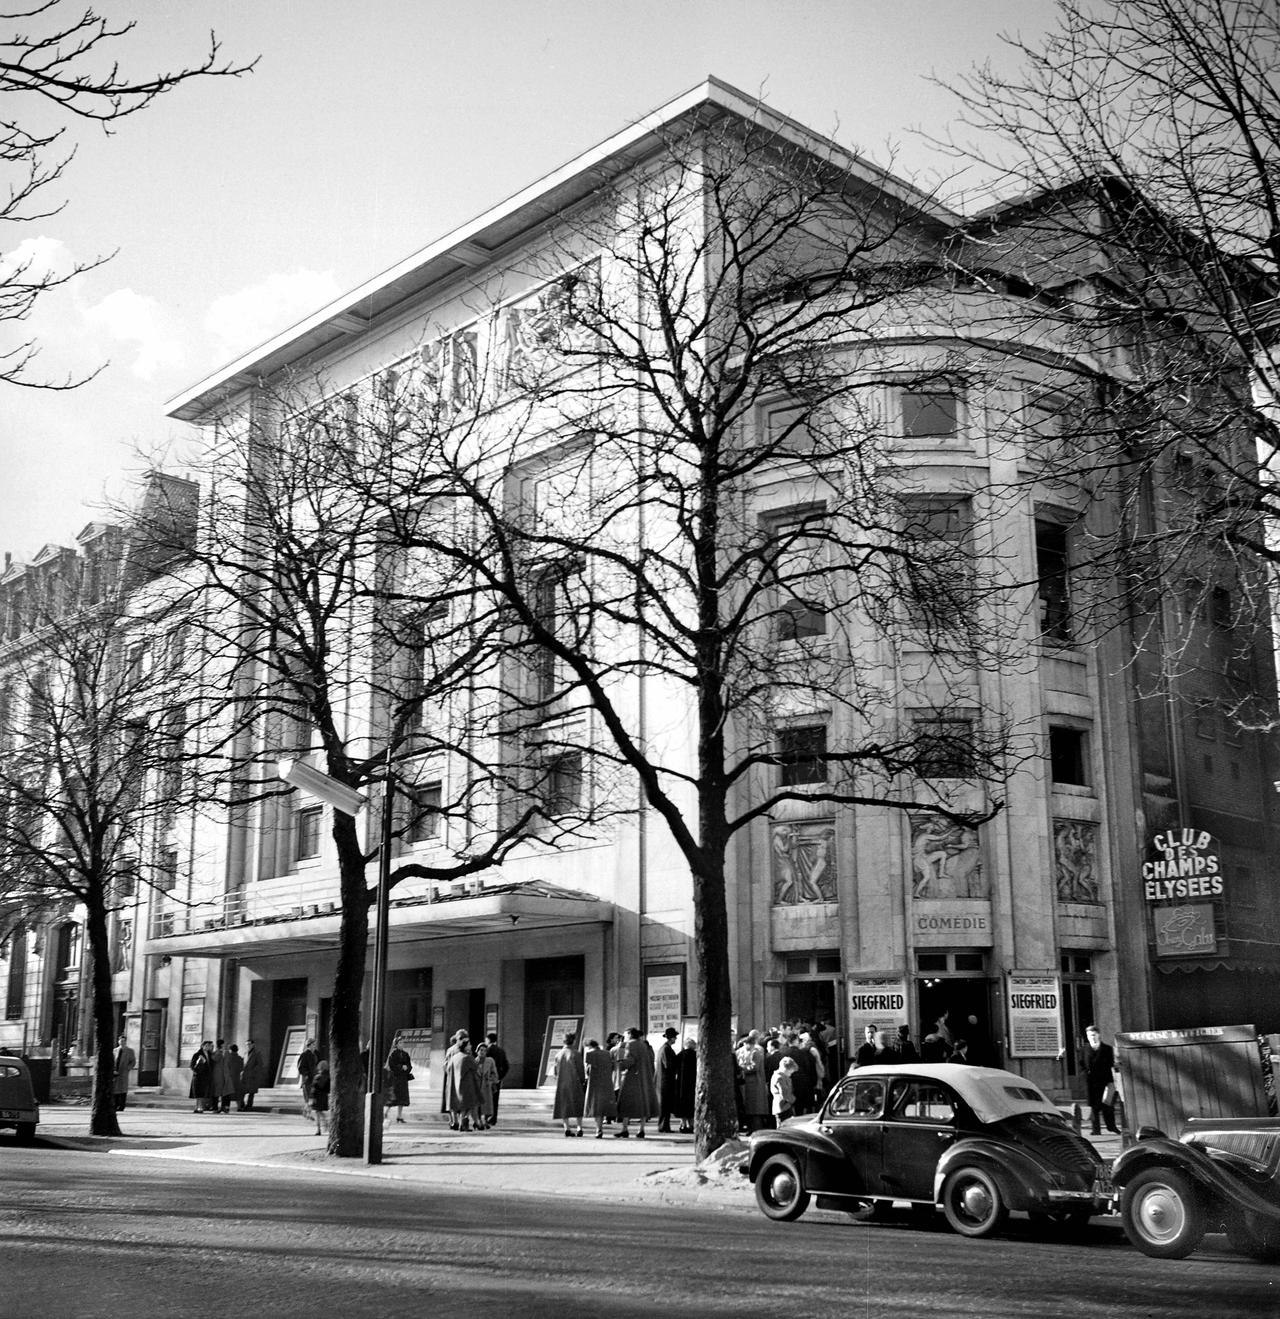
[[1099, 1069], [125, 1062], [666, 1070]]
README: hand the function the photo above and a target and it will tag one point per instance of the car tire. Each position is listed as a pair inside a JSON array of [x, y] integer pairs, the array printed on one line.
[[26, 1133], [1163, 1213], [780, 1191], [972, 1202], [1250, 1235]]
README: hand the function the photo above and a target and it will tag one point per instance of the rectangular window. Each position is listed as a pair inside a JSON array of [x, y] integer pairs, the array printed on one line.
[[802, 755], [1053, 582], [306, 832], [424, 820], [944, 748], [563, 784], [166, 877], [929, 414], [938, 559], [1067, 763], [795, 552]]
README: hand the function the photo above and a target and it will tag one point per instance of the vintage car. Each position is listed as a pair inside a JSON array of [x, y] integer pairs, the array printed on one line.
[[1222, 1174], [18, 1107], [977, 1141]]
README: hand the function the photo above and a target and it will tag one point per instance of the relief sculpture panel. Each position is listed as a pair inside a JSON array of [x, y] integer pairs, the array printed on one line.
[[804, 862], [1075, 860], [946, 859]]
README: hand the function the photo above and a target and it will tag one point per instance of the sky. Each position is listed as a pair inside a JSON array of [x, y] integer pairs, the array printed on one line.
[[231, 209]]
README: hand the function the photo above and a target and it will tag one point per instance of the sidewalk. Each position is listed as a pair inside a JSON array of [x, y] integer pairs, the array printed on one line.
[[522, 1155]]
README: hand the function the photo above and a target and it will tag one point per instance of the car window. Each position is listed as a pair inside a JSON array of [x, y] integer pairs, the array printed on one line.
[[922, 1101], [9, 1072], [862, 1099]]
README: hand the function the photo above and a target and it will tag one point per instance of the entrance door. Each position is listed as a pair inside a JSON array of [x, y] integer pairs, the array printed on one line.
[[151, 1052], [288, 1008], [960, 998], [464, 1010], [553, 987]]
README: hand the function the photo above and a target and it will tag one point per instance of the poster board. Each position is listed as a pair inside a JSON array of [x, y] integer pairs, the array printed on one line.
[[689, 1031], [664, 1001], [1033, 1002], [13, 1037], [876, 1001], [295, 1039], [557, 1028], [192, 1036]]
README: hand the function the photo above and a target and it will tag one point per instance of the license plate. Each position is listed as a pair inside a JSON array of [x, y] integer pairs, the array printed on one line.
[[14, 1113], [1103, 1187]]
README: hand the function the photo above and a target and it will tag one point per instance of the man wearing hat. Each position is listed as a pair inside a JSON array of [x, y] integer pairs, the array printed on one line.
[[667, 1069]]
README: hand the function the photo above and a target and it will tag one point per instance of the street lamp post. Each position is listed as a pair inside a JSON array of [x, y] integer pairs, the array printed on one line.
[[314, 783]]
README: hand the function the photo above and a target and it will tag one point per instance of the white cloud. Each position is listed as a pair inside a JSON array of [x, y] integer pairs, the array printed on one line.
[[133, 318], [243, 320], [36, 258]]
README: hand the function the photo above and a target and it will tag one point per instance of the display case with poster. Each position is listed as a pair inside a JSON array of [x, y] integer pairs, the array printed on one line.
[[1034, 1003], [552, 1041]]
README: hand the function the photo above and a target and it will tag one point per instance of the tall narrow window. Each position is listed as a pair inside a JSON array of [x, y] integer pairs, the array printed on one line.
[[564, 784], [795, 551], [16, 991], [1053, 582], [938, 559], [1067, 763], [306, 833], [802, 755], [424, 813]]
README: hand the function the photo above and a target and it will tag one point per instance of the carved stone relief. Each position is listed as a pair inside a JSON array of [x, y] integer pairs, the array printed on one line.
[[1075, 856], [946, 859], [804, 861]]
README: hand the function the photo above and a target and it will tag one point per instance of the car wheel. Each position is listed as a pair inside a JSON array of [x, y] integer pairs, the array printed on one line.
[[1251, 1235], [1162, 1213], [26, 1133], [779, 1191], [972, 1202]]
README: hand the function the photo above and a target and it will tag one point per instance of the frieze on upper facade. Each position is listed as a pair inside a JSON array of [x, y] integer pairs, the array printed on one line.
[[804, 861], [1075, 860]]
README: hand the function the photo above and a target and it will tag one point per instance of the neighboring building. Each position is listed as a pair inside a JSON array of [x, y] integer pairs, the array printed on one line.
[[1034, 924]]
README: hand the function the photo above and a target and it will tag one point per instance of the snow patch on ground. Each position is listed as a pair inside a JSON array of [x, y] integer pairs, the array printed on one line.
[[725, 1167]]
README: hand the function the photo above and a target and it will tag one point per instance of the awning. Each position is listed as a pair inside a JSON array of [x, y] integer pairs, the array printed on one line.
[[499, 909]]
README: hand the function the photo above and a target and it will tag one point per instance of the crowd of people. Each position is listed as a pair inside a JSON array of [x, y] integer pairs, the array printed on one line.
[[221, 1076]]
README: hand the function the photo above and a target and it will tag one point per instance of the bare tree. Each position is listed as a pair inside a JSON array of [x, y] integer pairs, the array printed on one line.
[[325, 642], [1134, 154], [683, 478], [93, 726], [59, 67]]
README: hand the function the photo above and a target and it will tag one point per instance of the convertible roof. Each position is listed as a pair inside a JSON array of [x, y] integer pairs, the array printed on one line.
[[991, 1093]]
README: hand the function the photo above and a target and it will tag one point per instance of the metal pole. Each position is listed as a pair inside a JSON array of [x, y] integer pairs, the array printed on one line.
[[374, 1101]]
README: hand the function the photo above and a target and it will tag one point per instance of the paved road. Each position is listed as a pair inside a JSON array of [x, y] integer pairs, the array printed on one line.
[[89, 1234]]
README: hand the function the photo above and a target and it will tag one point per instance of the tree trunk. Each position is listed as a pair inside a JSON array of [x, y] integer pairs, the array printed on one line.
[[102, 1110], [715, 1113], [347, 1097]]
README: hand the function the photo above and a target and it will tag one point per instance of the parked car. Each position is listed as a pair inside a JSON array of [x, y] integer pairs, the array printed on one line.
[[1221, 1174], [977, 1141], [18, 1107]]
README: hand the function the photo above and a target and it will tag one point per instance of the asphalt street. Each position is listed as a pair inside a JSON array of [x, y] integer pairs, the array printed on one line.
[[86, 1233]]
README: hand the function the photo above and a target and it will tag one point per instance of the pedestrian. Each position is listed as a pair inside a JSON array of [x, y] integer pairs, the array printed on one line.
[[936, 1046], [399, 1072], [599, 1101], [1099, 1071], [637, 1099], [782, 1088], [254, 1075], [462, 1087], [667, 1078], [810, 1045], [571, 1086], [867, 1049], [454, 1041], [307, 1061], [202, 1076], [218, 1079], [804, 1079], [319, 1097], [487, 1074], [234, 1064], [503, 1064], [124, 1062], [755, 1084], [906, 1046], [687, 1087]]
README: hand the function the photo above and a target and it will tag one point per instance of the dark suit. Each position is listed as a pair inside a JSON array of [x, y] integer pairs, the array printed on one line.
[[1099, 1071], [503, 1064], [668, 1080]]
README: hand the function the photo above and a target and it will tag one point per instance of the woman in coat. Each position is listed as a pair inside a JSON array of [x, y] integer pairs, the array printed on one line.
[[686, 1083], [399, 1068], [599, 1102], [234, 1066], [636, 1096], [487, 1073], [254, 1075], [756, 1100], [462, 1088], [320, 1084], [571, 1086], [202, 1076]]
